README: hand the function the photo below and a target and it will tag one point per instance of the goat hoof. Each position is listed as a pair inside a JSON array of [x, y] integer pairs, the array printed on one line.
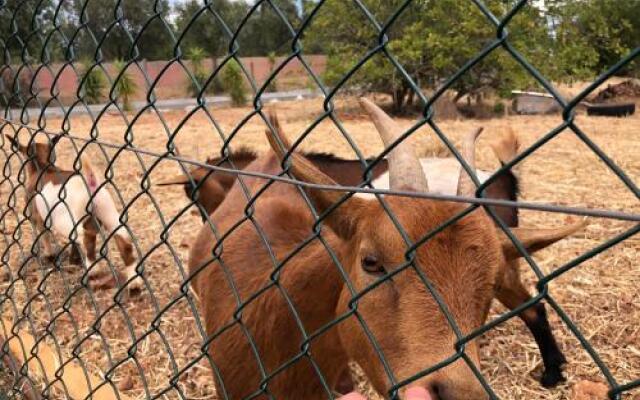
[[75, 259], [102, 283], [50, 259], [96, 273], [135, 286], [551, 377]]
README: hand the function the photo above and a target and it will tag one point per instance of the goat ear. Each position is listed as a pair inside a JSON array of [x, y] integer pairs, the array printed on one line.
[[536, 239], [342, 220], [88, 172]]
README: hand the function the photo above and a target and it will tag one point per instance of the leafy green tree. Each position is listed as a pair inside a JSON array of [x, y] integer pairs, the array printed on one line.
[[599, 31], [93, 82], [432, 40], [206, 31], [263, 32], [234, 85], [19, 20], [196, 55], [266, 32], [126, 87], [140, 23]]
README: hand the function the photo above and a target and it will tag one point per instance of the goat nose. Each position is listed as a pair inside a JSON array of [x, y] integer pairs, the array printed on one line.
[[436, 390], [443, 390], [417, 393]]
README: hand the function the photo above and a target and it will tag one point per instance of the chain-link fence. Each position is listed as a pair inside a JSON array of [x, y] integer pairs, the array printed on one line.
[[293, 277]]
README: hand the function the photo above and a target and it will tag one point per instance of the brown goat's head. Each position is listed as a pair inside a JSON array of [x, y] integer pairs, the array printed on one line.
[[207, 186], [404, 320], [39, 154]]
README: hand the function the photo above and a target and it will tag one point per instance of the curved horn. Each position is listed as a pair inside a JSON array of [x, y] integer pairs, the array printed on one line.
[[405, 170], [466, 187]]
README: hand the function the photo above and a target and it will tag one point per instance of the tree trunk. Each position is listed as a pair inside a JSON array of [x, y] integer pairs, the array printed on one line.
[[398, 99], [458, 96], [410, 98]]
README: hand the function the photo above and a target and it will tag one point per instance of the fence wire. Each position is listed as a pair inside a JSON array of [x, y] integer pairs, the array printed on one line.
[[40, 299]]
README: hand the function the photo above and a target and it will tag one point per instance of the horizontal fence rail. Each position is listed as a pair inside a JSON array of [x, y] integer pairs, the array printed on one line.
[[135, 320]]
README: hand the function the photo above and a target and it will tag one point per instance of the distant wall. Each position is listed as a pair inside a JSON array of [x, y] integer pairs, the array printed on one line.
[[173, 81]]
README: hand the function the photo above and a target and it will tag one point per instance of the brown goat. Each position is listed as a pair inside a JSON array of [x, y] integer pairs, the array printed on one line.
[[255, 313], [208, 187], [45, 185]]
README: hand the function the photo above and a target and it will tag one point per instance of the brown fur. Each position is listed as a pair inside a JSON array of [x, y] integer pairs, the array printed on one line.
[[464, 262], [212, 186]]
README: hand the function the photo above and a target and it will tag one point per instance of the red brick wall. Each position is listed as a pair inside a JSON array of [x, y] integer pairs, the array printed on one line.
[[173, 81]]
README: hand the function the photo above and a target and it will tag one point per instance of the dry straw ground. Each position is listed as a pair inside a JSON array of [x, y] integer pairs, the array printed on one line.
[[601, 295]]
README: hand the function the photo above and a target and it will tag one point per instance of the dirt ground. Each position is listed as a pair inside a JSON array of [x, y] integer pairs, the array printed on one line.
[[601, 295]]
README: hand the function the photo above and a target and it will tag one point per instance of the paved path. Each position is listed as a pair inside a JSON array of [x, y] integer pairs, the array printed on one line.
[[54, 110]]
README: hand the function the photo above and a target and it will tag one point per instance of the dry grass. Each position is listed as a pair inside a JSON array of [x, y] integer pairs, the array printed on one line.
[[601, 295]]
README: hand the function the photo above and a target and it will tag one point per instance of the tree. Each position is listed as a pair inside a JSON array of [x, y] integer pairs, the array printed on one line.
[[432, 40], [265, 31], [200, 27], [20, 21], [606, 30], [126, 86], [196, 56], [141, 33], [233, 81], [93, 82]]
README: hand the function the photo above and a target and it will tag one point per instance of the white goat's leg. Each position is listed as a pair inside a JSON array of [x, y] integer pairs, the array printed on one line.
[[46, 240], [106, 211], [63, 225], [123, 241]]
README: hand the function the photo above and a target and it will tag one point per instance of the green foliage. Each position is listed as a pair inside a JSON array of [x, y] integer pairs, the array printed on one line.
[[595, 34], [196, 55], [94, 83], [139, 21], [18, 22], [126, 87], [432, 40], [205, 31], [498, 108], [263, 32], [233, 81]]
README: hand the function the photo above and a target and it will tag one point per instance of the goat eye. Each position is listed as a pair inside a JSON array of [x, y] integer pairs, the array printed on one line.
[[371, 264]]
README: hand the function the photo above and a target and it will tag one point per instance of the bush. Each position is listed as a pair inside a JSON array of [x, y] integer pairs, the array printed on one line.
[[94, 83], [498, 108], [217, 85], [233, 82], [126, 86], [196, 56]]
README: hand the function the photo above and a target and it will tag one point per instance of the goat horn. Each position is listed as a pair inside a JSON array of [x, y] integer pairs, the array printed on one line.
[[466, 187], [174, 180], [405, 170]]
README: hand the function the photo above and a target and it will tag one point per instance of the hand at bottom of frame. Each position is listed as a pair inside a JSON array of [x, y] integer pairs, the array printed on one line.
[[414, 393]]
